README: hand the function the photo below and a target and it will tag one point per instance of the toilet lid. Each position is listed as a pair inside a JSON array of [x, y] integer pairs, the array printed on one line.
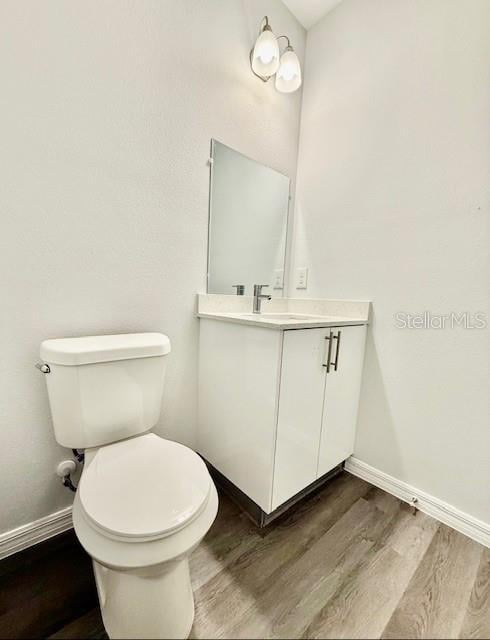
[[144, 487]]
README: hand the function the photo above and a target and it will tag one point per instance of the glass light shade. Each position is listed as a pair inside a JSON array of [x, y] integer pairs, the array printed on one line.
[[265, 56], [288, 77]]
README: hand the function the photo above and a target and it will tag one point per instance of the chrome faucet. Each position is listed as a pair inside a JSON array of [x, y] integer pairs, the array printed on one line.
[[259, 296]]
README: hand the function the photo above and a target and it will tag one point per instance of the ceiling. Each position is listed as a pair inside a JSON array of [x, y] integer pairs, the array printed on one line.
[[309, 12]]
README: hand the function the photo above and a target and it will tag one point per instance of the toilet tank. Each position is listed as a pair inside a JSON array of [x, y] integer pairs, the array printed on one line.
[[104, 388]]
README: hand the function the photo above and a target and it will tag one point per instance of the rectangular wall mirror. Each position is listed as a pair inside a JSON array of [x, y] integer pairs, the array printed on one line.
[[248, 216]]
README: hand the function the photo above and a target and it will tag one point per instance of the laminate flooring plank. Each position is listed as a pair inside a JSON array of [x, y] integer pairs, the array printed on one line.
[[435, 601], [241, 582], [295, 596], [38, 571], [368, 596], [476, 623], [44, 614], [46, 591], [257, 599], [89, 627], [231, 535]]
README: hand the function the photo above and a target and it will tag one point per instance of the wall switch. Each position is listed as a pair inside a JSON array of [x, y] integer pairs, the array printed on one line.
[[302, 278], [278, 279]]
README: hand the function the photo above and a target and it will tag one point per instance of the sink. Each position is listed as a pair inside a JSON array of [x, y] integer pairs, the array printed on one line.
[[280, 316]]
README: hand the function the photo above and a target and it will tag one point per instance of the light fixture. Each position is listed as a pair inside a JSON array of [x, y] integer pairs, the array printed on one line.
[[288, 76], [266, 60], [265, 54]]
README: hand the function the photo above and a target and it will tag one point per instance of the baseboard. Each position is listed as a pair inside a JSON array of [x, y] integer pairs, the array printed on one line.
[[34, 532], [442, 511]]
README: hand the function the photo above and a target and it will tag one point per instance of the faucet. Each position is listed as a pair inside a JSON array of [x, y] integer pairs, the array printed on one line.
[[259, 296]]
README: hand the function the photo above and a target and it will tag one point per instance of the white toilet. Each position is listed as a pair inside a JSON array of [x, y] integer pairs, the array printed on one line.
[[143, 503]]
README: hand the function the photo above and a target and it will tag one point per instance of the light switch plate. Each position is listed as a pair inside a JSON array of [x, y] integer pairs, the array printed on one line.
[[302, 278], [278, 279]]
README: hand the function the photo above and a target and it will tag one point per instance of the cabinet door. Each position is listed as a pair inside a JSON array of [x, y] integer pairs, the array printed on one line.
[[342, 391], [301, 395], [239, 371]]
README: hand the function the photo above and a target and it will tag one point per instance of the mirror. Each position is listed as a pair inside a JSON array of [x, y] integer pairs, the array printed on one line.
[[248, 212]]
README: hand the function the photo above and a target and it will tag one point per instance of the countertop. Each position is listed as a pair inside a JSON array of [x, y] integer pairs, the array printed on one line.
[[306, 322], [284, 313]]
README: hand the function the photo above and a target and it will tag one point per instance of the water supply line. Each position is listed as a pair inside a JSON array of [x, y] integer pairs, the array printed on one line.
[[79, 455], [67, 482]]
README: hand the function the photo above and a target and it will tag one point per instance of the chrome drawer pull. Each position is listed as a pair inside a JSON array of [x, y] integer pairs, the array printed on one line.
[[336, 363], [327, 364]]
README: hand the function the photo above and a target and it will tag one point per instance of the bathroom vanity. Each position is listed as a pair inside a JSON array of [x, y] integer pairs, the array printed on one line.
[[279, 378], [278, 392]]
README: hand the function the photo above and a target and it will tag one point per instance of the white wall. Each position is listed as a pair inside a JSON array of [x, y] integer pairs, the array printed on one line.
[[392, 205], [107, 110]]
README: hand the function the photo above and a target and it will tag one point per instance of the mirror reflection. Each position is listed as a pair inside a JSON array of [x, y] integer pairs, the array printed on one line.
[[248, 211]]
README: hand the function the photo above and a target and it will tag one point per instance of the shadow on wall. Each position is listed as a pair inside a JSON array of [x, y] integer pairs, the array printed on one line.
[[375, 416]]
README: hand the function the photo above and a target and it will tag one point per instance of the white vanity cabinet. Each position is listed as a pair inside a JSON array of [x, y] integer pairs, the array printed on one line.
[[274, 415], [318, 405]]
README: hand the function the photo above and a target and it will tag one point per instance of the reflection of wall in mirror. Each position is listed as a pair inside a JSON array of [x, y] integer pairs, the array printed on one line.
[[248, 221]]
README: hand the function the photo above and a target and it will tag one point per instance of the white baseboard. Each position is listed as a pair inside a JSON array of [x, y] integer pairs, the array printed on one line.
[[442, 511], [34, 532]]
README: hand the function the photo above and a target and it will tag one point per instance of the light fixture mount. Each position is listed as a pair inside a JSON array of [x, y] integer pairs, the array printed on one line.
[[263, 78]]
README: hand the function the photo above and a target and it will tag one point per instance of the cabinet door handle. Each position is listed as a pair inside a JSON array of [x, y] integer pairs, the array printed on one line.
[[336, 363], [329, 339]]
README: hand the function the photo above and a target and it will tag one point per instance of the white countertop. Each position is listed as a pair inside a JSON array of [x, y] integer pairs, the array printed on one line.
[[288, 321], [284, 313]]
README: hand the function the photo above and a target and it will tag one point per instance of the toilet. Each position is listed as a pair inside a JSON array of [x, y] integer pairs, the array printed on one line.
[[143, 503]]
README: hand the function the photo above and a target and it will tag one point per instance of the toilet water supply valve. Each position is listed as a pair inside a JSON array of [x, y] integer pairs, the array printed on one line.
[[67, 467], [64, 471]]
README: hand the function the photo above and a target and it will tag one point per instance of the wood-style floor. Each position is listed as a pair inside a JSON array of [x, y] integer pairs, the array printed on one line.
[[349, 562]]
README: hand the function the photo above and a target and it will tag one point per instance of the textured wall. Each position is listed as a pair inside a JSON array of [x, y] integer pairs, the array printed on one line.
[[392, 206], [107, 110]]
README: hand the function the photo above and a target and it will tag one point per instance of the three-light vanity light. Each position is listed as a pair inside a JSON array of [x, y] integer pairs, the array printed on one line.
[[266, 60]]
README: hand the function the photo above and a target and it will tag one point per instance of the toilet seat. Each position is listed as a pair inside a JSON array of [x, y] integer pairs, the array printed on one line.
[[126, 553], [143, 489]]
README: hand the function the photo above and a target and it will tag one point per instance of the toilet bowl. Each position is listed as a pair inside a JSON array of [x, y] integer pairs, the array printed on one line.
[[142, 506], [143, 503]]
